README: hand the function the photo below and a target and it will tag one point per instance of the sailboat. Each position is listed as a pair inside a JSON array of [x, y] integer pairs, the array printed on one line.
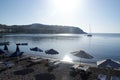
[[89, 34]]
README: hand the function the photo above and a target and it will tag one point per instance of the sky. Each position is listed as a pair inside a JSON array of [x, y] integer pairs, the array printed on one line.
[[102, 16]]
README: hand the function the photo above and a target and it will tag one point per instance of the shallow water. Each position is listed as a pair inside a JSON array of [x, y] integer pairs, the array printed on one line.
[[101, 46]]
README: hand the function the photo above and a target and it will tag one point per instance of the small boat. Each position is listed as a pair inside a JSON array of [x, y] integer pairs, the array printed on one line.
[[89, 35]]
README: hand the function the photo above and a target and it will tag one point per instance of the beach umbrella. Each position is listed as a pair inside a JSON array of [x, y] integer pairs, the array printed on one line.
[[17, 49], [17, 53], [23, 44], [5, 50], [36, 49], [4, 43], [5, 47], [51, 51], [82, 54], [109, 64]]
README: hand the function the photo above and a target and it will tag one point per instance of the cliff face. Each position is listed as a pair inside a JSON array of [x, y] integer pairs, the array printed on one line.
[[40, 28]]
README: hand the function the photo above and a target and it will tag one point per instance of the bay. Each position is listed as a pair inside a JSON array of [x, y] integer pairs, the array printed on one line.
[[101, 46]]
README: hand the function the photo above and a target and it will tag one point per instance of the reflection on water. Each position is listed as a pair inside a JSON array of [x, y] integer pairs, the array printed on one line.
[[99, 46]]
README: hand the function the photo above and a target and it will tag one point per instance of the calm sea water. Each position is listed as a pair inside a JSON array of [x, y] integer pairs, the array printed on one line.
[[101, 46]]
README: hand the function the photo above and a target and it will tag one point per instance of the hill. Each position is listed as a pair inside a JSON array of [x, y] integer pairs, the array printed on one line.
[[40, 28]]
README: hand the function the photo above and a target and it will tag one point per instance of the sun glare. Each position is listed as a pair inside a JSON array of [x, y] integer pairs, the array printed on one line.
[[66, 5], [67, 59]]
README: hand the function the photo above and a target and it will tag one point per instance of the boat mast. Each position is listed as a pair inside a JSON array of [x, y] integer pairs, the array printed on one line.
[[89, 29]]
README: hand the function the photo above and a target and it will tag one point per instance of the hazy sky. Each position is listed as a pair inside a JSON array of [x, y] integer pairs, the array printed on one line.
[[102, 15]]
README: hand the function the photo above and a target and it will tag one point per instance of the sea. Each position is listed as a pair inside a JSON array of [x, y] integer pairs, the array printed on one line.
[[101, 45]]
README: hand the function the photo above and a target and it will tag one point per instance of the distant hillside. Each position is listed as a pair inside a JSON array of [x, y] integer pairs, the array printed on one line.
[[40, 28]]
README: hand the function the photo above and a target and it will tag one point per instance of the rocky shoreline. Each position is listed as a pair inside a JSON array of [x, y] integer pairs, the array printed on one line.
[[26, 70]]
